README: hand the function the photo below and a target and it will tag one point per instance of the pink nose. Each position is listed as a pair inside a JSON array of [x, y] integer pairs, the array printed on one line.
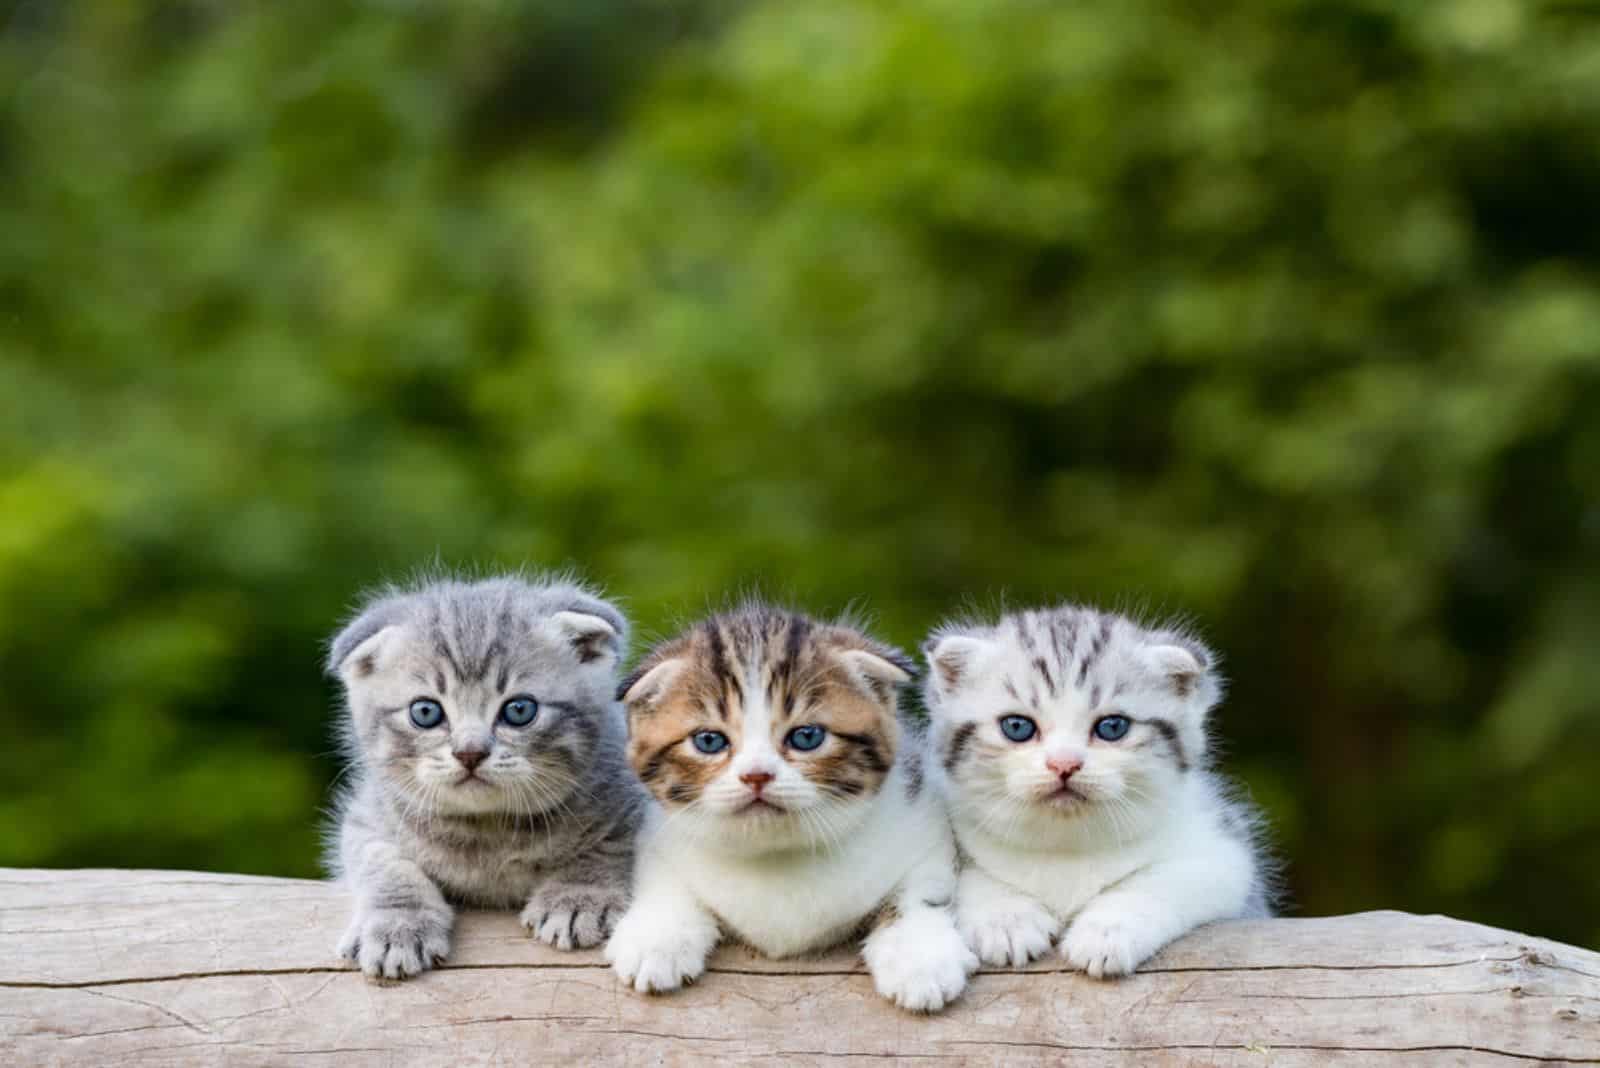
[[756, 779], [1065, 767]]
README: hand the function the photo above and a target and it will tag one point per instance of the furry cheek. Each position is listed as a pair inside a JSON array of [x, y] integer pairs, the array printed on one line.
[[675, 777], [562, 749], [975, 762], [400, 751], [855, 765], [956, 749], [684, 779]]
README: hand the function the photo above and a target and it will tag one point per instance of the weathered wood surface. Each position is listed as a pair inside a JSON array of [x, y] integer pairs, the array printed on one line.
[[176, 968]]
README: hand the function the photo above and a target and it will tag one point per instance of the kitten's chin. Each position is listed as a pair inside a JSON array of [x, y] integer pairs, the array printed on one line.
[[753, 830], [1053, 819], [757, 809], [1063, 801], [475, 797]]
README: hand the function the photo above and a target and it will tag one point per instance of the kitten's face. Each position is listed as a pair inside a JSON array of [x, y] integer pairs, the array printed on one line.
[[501, 719], [762, 731], [1067, 724]]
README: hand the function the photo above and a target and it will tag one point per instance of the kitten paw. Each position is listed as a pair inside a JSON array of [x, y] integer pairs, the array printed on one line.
[[920, 962], [395, 943], [574, 917], [653, 962], [1107, 946], [1009, 934]]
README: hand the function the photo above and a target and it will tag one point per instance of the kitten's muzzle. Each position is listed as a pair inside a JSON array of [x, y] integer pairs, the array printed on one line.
[[470, 758], [756, 780], [1064, 795], [1064, 766]]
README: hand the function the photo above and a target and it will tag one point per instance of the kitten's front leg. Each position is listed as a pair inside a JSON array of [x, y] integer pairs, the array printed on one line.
[[1123, 927], [664, 938], [401, 925], [579, 905], [1004, 926], [916, 955]]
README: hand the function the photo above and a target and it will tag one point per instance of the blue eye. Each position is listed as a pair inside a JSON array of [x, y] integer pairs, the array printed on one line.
[[710, 741], [1111, 728], [1018, 728], [806, 738], [519, 711], [426, 712]]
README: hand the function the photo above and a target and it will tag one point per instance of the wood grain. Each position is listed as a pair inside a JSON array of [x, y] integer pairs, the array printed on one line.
[[182, 968]]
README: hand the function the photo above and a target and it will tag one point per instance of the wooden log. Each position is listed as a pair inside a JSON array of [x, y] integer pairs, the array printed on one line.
[[177, 968]]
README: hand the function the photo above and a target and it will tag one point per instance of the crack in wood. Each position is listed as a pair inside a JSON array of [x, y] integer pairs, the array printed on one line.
[[714, 969]]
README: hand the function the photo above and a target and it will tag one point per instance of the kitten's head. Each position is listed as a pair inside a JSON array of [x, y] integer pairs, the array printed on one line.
[[480, 697], [762, 730], [1067, 724]]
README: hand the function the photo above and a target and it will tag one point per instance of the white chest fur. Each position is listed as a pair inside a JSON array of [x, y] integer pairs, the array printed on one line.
[[793, 902], [1064, 880]]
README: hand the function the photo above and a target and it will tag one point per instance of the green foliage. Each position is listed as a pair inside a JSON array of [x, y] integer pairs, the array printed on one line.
[[1282, 315]]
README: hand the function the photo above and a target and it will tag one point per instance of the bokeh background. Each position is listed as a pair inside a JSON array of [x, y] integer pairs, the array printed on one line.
[[1280, 315]]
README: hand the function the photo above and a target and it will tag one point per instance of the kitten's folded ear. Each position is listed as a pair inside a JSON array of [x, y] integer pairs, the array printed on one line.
[[645, 686], [591, 636], [1187, 668], [358, 650], [878, 674], [955, 660]]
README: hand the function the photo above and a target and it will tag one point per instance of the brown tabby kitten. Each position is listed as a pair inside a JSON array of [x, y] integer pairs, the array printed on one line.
[[802, 679], [792, 809]]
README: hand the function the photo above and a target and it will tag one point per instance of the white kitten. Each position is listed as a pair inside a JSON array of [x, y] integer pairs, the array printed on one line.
[[1070, 745], [793, 812]]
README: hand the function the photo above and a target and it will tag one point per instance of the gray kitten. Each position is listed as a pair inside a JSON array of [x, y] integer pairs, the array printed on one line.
[[486, 747]]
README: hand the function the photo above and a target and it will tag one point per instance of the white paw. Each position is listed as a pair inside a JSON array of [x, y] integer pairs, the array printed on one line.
[[1107, 945], [395, 943], [653, 960], [920, 962], [1011, 932], [573, 917]]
